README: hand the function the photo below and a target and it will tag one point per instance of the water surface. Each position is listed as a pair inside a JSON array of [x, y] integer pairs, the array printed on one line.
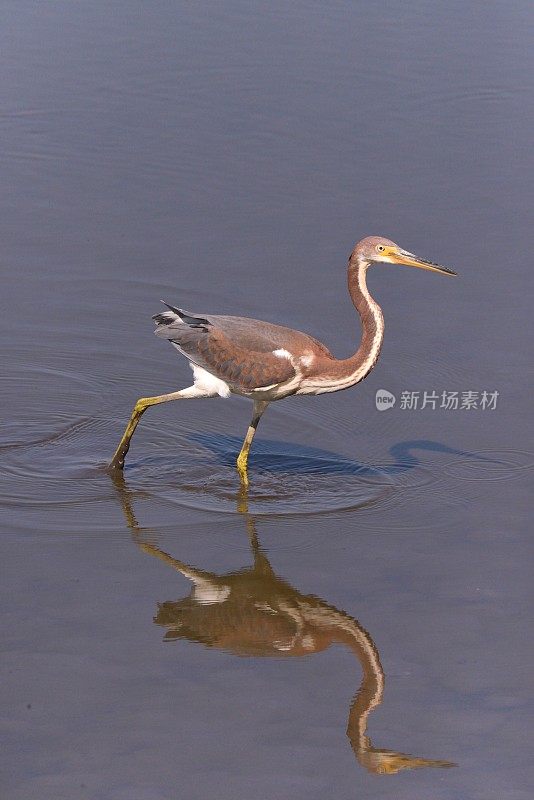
[[226, 157]]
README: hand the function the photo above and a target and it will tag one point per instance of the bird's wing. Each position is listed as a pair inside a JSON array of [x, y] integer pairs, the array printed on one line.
[[237, 350], [264, 337]]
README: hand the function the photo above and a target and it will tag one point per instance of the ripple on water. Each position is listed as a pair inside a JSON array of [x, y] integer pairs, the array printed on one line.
[[490, 465], [52, 464], [52, 458], [185, 468]]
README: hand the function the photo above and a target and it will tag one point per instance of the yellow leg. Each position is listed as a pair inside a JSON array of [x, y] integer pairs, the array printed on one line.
[[117, 462], [242, 459]]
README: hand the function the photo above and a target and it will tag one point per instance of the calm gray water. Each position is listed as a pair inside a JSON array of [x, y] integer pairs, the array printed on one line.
[[226, 157]]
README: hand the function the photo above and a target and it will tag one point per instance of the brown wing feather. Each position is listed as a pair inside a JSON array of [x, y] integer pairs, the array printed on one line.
[[244, 368], [260, 336], [207, 345]]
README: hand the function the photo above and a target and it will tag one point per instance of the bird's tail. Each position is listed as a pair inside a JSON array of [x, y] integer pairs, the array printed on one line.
[[178, 315], [165, 318]]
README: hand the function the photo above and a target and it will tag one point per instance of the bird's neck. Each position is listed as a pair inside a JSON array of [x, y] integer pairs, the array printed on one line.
[[371, 690], [342, 629], [335, 374], [354, 369]]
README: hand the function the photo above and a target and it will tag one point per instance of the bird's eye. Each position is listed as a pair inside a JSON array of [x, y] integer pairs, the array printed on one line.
[[380, 248]]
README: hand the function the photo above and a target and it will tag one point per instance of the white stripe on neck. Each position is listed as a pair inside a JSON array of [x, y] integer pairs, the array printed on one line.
[[322, 386]]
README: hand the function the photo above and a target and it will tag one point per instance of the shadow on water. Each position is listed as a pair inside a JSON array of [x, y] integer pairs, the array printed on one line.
[[279, 456], [253, 612], [291, 479]]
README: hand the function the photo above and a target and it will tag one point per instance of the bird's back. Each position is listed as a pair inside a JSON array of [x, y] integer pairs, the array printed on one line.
[[246, 353], [250, 334]]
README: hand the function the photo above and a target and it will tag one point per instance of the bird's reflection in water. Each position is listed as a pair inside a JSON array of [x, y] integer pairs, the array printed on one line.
[[253, 612]]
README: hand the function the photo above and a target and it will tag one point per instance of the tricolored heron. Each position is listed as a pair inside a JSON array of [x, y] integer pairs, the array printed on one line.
[[266, 362]]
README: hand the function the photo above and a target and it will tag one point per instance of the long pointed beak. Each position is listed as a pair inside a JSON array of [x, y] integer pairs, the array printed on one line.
[[409, 260]]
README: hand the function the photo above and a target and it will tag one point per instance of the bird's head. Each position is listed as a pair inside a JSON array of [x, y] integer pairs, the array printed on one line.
[[388, 762], [375, 249]]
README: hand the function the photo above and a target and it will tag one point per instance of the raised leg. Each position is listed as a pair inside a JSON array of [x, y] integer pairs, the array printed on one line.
[[117, 462], [242, 459]]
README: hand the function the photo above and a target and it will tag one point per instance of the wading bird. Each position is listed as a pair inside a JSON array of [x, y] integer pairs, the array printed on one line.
[[266, 362]]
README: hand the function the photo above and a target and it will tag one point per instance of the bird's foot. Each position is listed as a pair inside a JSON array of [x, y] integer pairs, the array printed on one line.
[[117, 463], [242, 462]]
